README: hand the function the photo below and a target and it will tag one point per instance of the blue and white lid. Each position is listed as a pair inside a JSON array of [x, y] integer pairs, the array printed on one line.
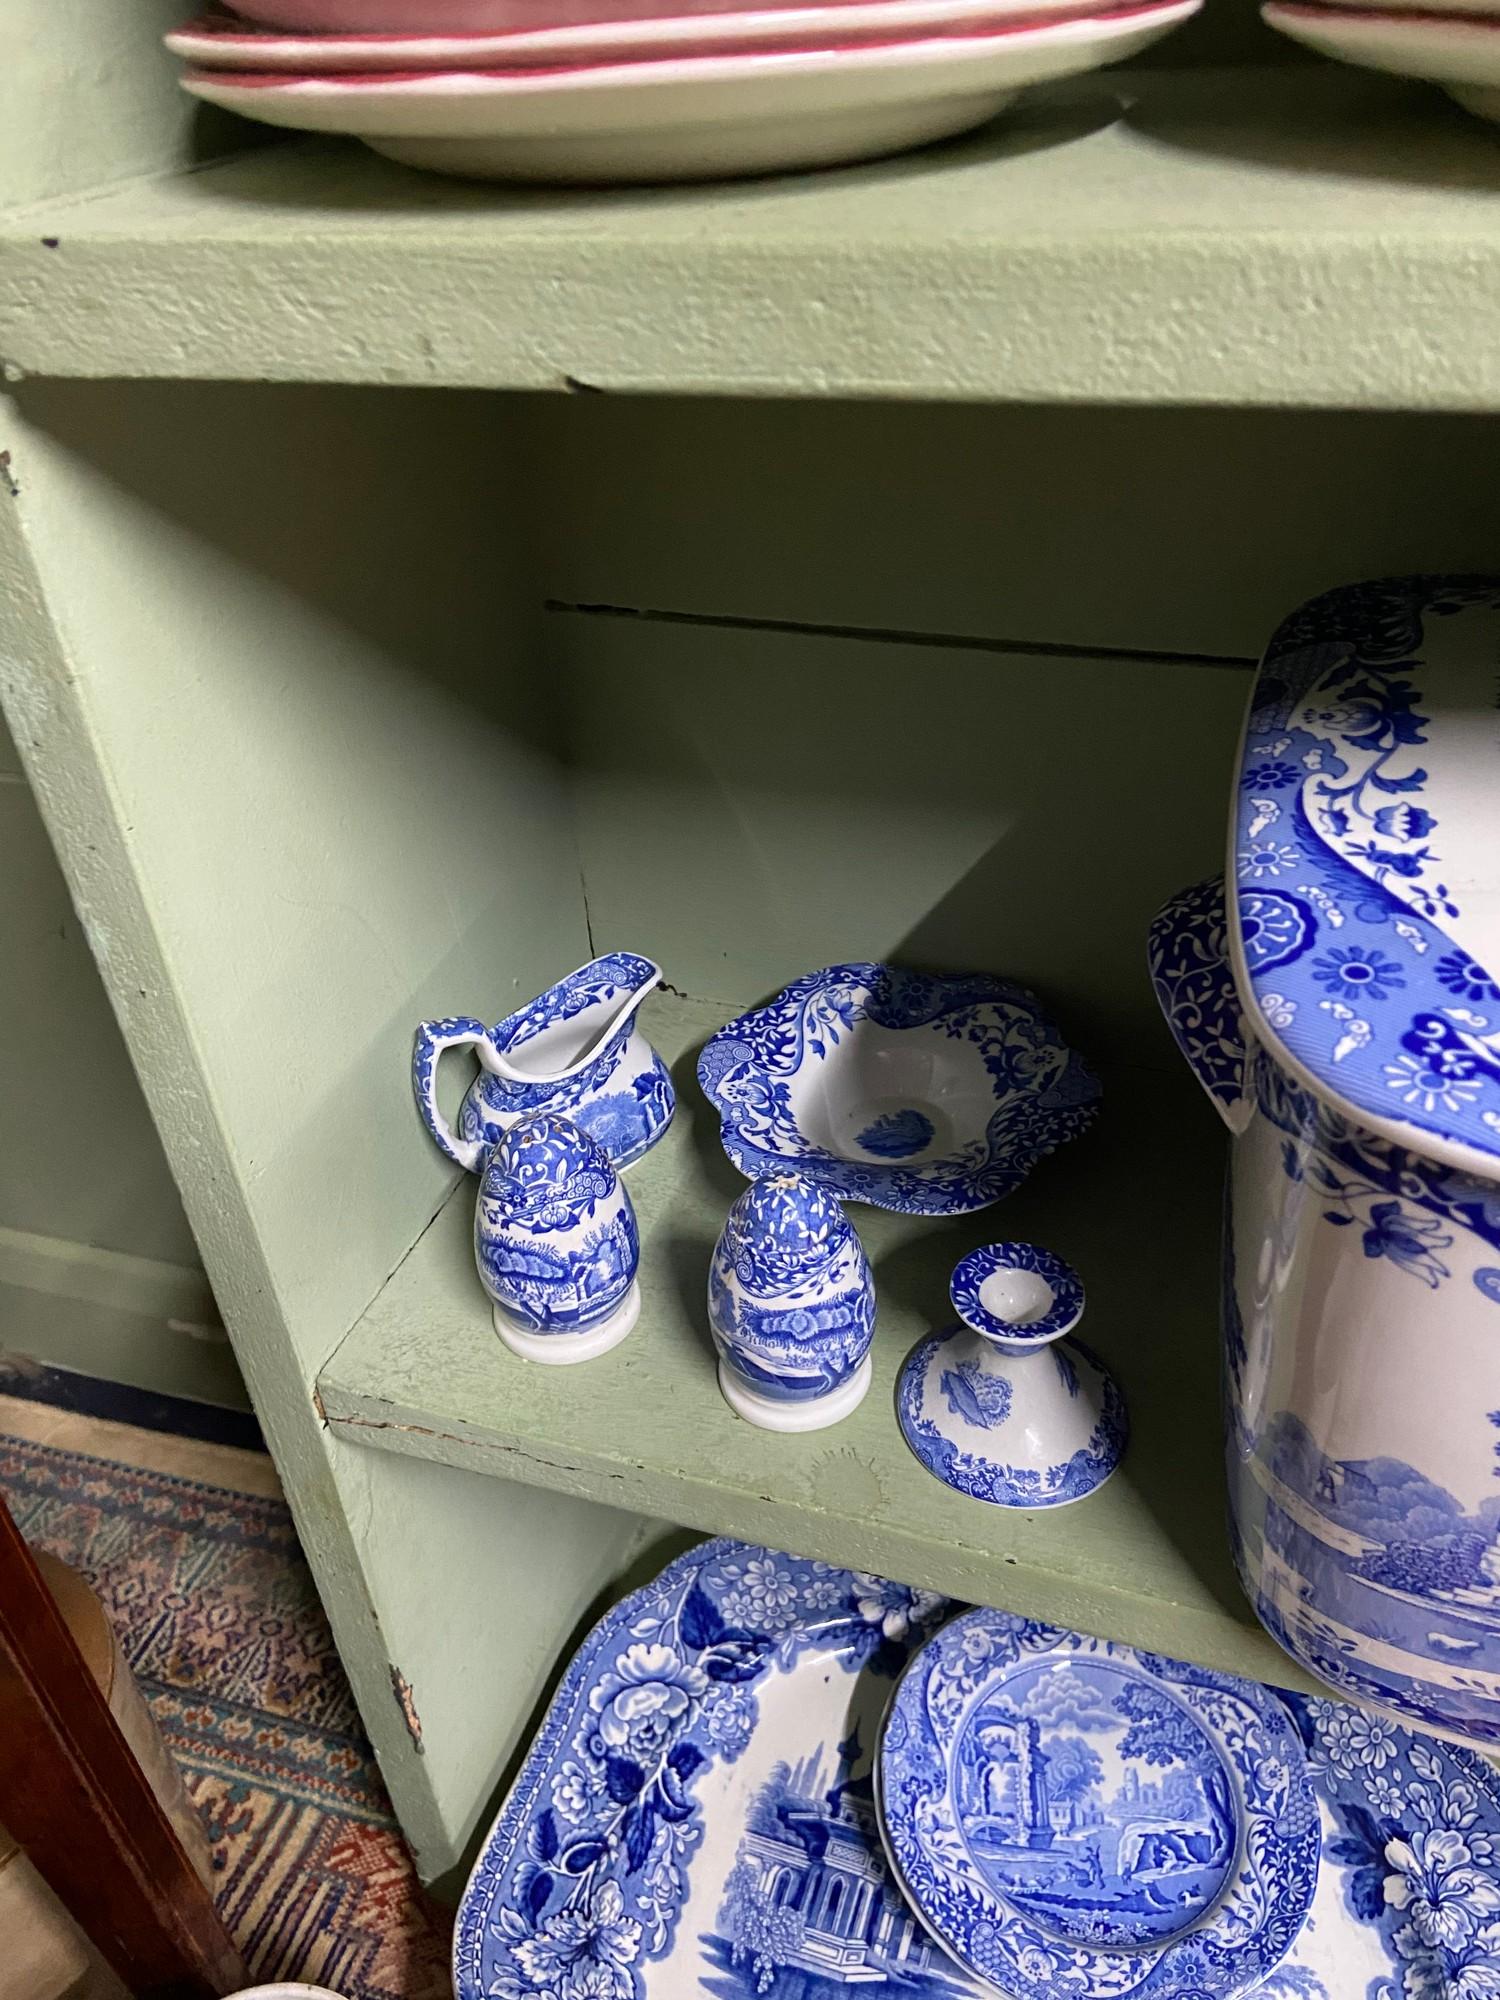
[[1365, 859]]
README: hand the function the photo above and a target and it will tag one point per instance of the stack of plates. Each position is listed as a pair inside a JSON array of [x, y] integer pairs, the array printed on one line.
[[1458, 46], [702, 1813], [607, 90]]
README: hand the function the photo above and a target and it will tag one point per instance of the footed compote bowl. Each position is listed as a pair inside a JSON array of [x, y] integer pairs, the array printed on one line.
[[910, 1091], [1003, 1407]]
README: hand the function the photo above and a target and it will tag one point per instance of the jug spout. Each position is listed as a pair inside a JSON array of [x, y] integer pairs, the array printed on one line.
[[1195, 989], [563, 1030]]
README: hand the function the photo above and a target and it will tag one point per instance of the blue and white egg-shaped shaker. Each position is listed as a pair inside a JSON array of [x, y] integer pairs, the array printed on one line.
[[791, 1302], [556, 1243]]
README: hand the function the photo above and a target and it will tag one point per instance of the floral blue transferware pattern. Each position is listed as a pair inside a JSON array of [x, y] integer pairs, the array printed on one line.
[[1002, 1408], [1070, 1816], [577, 1049], [697, 1803], [556, 1242], [1411, 1853], [791, 1304], [929, 1095], [1366, 815], [782, 1892], [1367, 1527], [1003, 1268]]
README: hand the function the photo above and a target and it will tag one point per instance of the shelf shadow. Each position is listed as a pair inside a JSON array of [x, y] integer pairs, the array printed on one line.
[[1324, 118], [311, 173]]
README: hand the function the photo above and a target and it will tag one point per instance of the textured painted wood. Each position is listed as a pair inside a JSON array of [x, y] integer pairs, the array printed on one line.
[[1156, 530], [752, 804], [93, 97], [266, 663], [1135, 1206], [117, 1317], [1312, 236], [66, 1084]]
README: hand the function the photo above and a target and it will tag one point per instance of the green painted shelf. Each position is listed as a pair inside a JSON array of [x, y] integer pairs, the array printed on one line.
[[1302, 236], [1134, 1204]]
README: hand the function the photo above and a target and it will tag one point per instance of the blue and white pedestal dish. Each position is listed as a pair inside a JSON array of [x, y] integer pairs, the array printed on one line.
[[1002, 1407], [933, 1096], [556, 1244], [1071, 1817], [577, 1049], [791, 1302], [1342, 1008]]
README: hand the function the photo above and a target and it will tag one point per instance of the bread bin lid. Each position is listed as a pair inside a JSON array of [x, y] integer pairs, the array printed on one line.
[[1364, 866]]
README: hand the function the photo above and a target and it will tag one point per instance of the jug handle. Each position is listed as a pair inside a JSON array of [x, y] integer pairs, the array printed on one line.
[[1195, 990], [432, 1041]]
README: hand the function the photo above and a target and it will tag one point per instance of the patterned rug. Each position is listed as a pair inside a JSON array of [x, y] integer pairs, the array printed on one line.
[[216, 1612]]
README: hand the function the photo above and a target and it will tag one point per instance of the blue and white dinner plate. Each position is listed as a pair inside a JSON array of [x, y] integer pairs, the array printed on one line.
[[1072, 1817], [924, 1094]]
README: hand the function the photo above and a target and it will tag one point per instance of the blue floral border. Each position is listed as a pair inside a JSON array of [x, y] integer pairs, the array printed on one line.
[[1279, 1846], [1045, 1094], [582, 1880], [981, 1477], [1340, 897]]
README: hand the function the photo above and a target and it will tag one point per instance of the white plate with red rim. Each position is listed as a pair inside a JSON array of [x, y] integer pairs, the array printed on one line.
[[430, 19], [1461, 54], [690, 118], [220, 41]]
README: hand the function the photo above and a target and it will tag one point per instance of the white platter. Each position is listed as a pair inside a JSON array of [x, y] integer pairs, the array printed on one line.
[[690, 118], [218, 41], [1462, 55]]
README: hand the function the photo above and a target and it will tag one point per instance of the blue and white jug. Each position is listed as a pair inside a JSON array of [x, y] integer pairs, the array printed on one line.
[[577, 1048], [791, 1302], [556, 1244]]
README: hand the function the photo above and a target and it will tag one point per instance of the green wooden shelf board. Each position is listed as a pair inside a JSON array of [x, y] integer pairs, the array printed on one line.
[[1135, 1205], [1303, 236]]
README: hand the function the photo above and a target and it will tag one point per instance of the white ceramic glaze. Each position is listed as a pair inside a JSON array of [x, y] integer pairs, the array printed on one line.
[[1003, 1407], [1346, 1028], [433, 18], [556, 1243], [286, 1990], [693, 118], [218, 41], [1463, 55], [791, 1304]]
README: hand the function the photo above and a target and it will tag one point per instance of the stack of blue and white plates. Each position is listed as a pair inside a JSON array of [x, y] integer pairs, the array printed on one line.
[[767, 1778]]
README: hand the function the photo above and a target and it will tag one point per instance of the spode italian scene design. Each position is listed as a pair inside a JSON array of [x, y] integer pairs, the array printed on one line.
[[764, 1878], [1076, 1817]]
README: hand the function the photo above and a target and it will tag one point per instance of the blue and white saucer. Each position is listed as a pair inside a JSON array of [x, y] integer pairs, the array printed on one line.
[[929, 1095], [1071, 1817], [1002, 1407]]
